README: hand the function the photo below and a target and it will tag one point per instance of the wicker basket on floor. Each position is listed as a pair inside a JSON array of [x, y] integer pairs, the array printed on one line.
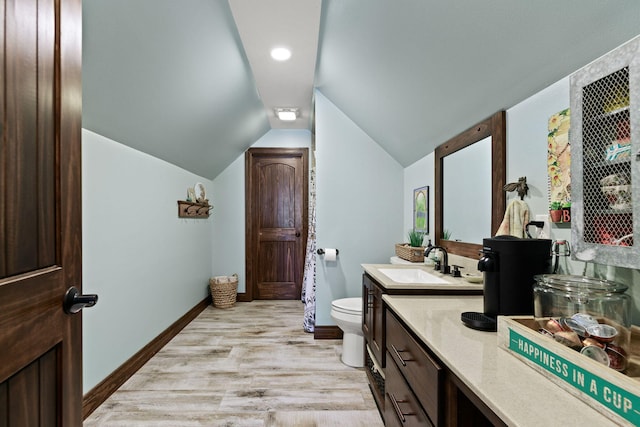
[[224, 290]]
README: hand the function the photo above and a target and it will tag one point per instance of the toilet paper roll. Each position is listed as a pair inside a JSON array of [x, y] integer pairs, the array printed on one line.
[[330, 254]]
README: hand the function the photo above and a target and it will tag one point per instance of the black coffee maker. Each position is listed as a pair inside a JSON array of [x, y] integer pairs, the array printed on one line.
[[509, 264]]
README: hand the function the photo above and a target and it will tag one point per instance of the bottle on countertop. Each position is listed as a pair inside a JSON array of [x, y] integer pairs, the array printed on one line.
[[561, 253]]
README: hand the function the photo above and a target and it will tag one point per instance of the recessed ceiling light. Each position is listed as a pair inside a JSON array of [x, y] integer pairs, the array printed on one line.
[[287, 114], [280, 53]]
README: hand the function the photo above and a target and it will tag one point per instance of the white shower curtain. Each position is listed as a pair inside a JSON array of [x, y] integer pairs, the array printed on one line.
[[309, 279]]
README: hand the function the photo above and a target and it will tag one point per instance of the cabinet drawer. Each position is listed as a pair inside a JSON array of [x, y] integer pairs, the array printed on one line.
[[401, 406], [423, 374], [372, 318]]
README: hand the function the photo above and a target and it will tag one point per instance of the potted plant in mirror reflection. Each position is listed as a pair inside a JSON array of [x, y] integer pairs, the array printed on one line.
[[446, 234]]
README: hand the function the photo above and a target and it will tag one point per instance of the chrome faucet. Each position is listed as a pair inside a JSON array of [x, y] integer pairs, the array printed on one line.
[[444, 264]]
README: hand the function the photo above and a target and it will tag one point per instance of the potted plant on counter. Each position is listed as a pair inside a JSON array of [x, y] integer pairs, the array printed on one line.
[[416, 238], [412, 251]]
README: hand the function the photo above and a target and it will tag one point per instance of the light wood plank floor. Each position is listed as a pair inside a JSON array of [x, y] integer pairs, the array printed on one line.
[[249, 365]]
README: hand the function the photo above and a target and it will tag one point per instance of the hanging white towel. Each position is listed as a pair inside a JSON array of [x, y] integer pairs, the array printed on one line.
[[516, 217]]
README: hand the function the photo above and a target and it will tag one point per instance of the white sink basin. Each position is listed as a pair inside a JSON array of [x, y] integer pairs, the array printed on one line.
[[411, 275]]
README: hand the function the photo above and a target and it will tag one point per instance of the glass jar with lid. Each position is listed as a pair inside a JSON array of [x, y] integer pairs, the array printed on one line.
[[597, 311]]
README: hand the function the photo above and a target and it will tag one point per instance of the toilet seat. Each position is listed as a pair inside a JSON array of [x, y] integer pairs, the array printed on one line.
[[348, 306]]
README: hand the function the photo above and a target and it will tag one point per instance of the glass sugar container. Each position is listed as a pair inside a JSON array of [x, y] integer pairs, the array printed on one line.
[[588, 314]]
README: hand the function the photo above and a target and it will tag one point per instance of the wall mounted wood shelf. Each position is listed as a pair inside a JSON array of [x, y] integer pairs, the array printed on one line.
[[193, 209]]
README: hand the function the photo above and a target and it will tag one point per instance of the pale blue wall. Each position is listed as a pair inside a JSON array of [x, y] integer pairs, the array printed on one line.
[[527, 130], [135, 246], [419, 174], [148, 266], [357, 189], [227, 222], [527, 124], [359, 206], [227, 196]]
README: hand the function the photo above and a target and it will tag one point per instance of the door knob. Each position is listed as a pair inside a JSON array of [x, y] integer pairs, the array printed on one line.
[[297, 234], [74, 301]]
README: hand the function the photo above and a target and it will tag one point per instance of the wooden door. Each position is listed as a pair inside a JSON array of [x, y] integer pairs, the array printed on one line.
[[40, 212], [276, 221]]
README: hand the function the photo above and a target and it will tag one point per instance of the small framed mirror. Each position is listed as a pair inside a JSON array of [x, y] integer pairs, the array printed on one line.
[[470, 174]]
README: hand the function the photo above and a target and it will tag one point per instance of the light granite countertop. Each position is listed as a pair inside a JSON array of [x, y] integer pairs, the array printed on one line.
[[519, 395], [454, 283]]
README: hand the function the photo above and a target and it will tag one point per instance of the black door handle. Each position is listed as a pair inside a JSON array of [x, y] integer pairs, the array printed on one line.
[[74, 301]]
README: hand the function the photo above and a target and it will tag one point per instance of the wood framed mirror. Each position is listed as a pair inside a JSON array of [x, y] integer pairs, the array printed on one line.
[[493, 131]]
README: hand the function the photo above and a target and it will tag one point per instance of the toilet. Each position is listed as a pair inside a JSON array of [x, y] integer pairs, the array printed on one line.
[[347, 313]]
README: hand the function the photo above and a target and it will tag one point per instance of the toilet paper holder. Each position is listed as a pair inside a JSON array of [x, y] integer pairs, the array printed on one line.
[[321, 251]]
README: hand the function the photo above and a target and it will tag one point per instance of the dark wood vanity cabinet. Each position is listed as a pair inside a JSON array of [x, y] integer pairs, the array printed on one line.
[[414, 386], [402, 407], [372, 317], [421, 391], [373, 331]]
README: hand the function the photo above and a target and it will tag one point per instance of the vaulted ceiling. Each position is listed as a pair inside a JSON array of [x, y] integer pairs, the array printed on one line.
[[185, 82]]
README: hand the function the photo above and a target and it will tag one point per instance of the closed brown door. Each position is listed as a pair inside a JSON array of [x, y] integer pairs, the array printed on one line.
[[40, 212], [276, 221]]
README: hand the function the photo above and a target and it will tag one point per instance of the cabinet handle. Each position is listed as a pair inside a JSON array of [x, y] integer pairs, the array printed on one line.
[[397, 353], [396, 407]]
